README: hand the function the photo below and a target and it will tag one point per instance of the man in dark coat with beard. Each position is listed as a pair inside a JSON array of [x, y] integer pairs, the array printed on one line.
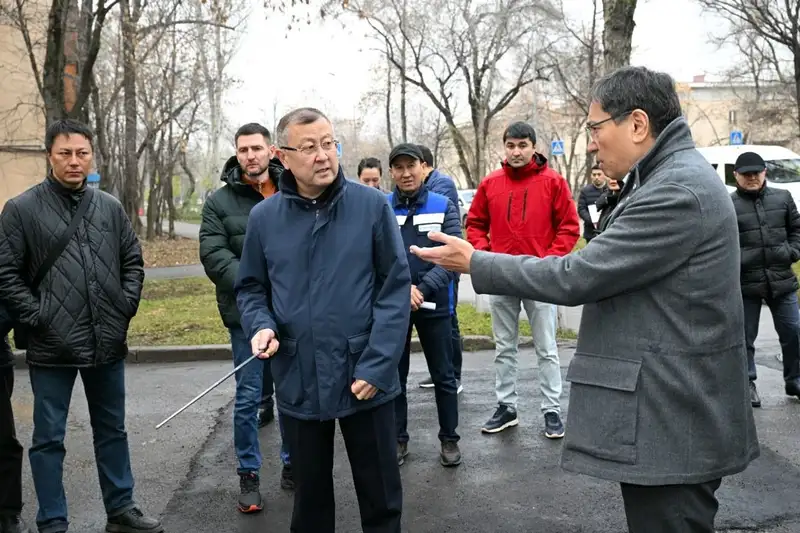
[[248, 180]]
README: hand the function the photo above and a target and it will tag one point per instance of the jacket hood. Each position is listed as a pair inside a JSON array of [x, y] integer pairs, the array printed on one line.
[[232, 172]]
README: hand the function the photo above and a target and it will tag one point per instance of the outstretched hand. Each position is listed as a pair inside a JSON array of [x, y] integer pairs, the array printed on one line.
[[455, 255]]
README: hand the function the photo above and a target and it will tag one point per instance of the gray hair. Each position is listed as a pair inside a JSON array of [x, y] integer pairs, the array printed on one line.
[[630, 88], [301, 116]]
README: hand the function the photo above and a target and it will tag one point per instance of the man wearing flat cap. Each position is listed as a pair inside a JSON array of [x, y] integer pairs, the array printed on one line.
[[419, 211], [769, 238]]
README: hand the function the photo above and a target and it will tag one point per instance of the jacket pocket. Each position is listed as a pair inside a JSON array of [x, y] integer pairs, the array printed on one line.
[[603, 407], [356, 346], [286, 373]]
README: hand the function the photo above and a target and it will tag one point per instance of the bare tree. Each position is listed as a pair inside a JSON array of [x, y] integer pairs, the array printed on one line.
[[617, 32], [467, 51], [767, 35]]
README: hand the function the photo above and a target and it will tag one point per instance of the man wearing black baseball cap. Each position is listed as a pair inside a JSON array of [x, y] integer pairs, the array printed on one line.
[[419, 211], [769, 237]]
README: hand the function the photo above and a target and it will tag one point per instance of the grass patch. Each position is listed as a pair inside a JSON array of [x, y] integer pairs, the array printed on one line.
[[184, 311]]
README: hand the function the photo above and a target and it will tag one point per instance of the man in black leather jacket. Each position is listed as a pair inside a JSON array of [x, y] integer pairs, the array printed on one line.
[[769, 237], [76, 321]]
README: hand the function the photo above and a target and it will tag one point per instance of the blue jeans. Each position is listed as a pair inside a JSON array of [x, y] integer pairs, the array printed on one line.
[[786, 318], [249, 382], [105, 396]]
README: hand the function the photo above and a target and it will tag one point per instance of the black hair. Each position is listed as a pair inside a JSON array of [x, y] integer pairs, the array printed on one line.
[[427, 155], [520, 130], [596, 166], [630, 88], [370, 162], [66, 126], [301, 116], [252, 128]]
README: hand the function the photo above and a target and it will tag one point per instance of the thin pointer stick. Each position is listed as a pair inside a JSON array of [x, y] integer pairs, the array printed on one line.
[[182, 409]]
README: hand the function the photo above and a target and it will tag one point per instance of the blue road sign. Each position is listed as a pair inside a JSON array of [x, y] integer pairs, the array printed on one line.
[[737, 137], [557, 147], [339, 149]]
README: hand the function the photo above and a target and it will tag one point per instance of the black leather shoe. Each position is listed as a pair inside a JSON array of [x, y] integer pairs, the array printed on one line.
[[133, 521], [13, 524], [793, 388]]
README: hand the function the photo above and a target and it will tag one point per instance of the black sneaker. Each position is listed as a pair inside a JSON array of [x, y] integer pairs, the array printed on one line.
[[402, 453], [553, 428], [755, 399], [450, 455], [426, 383], [250, 497], [13, 524], [287, 478], [133, 521], [504, 417]]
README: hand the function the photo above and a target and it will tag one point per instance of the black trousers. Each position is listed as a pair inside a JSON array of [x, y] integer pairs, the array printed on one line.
[[458, 342], [369, 437], [671, 508], [10, 449]]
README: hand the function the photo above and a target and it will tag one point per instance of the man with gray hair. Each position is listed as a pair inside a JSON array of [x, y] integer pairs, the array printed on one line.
[[323, 288], [659, 399]]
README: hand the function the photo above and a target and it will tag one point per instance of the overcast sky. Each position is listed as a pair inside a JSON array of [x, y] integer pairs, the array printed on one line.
[[305, 68]]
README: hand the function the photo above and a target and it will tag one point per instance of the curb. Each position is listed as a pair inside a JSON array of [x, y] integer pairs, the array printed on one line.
[[222, 352]]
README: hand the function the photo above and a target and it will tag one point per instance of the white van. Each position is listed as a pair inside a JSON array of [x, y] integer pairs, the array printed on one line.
[[783, 165]]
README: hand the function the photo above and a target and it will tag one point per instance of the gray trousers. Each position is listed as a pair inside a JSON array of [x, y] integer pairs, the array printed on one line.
[[505, 327]]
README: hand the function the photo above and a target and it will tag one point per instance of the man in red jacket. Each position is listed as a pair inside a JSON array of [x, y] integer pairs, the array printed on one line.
[[524, 208]]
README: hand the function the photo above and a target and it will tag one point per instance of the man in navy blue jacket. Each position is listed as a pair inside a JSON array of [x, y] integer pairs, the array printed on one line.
[[419, 211], [443, 184], [323, 289]]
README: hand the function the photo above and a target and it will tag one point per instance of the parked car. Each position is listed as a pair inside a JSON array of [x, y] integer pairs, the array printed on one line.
[[465, 197]]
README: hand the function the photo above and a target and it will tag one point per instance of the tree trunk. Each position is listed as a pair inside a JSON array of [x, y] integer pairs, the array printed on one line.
[[130, 186], [388, 110], [617, 33]]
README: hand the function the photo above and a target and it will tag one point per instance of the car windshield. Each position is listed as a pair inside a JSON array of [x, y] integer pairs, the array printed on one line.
[[467, 196], [783, 170]]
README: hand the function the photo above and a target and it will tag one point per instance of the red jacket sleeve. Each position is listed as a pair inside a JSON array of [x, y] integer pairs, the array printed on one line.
[[478, 220], [565, 221]]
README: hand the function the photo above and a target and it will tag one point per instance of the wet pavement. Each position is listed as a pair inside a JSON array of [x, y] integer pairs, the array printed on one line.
[[509, 482]]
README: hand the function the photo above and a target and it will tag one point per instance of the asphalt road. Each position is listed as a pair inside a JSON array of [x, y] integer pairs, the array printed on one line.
[[510, 482]]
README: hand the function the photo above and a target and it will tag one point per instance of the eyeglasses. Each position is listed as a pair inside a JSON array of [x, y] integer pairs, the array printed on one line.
[[593, 127], [311, 149]]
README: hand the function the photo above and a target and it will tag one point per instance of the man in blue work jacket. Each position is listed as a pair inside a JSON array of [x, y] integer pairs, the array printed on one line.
[[419, 211], [443, 184]]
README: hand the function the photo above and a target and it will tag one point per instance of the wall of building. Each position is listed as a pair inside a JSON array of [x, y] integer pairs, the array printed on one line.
[[22, 158]]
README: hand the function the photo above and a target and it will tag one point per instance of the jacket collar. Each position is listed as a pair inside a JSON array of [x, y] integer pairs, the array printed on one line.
[[331, 195], [66, 192], [676, 137], [752, 195], [537, 164], [418, 198]]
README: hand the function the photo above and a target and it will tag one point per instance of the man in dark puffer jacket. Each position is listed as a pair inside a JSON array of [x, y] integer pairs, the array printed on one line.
[[249, 177], [769, 237], [10, 448], [77, 322]]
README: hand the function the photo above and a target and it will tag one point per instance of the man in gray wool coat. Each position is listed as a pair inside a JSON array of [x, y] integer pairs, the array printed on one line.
[[659, 390]]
